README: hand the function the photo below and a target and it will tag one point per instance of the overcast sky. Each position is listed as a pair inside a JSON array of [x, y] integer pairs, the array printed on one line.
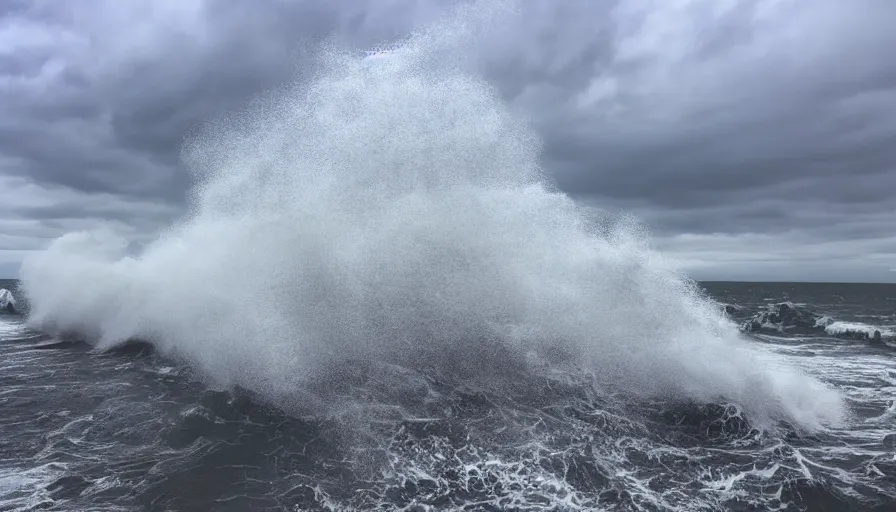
[[756, 138]]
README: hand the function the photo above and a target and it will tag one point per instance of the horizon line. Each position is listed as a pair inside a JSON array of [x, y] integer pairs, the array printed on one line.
[[727, 281]]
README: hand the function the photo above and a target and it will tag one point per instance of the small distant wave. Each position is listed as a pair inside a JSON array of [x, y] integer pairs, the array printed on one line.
[[731, 310], [11, 324], [790, 318], [856, 328], [7, 301], [783, 317]]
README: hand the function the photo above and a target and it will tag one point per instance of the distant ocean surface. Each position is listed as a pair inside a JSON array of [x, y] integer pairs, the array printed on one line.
[[128, 428]]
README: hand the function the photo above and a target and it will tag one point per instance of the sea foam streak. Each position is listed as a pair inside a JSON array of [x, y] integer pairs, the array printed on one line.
[[399, 212]]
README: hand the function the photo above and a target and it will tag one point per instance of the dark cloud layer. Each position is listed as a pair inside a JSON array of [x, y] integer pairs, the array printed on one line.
[[756, 137]]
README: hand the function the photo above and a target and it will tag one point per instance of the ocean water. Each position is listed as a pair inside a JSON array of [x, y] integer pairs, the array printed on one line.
[[379, 300], [129, 428]]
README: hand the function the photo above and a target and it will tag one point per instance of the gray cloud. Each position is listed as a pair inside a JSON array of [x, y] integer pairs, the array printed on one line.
[[757, 138]]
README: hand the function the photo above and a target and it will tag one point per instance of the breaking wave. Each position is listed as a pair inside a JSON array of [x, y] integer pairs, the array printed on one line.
[[7, 301], [398, 212]]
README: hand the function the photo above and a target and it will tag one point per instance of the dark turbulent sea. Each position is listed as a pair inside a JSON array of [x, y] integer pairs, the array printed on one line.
[[128, 429]]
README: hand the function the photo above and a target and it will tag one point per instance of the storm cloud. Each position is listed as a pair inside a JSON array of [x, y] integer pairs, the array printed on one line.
[[756, 138]]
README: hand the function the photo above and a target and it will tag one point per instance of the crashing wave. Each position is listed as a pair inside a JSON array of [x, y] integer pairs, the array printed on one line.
[[7, 301], [399, 214]]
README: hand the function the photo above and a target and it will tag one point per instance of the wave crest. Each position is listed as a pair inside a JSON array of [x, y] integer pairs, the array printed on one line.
[[7, 301]]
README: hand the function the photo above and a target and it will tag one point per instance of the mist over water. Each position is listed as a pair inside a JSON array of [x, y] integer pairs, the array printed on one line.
[[397, 211]]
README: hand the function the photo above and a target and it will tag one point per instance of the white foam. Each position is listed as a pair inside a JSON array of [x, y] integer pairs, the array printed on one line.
[[25, 489], [6, 299], [403, 211], [841, 328], [11, 328]]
